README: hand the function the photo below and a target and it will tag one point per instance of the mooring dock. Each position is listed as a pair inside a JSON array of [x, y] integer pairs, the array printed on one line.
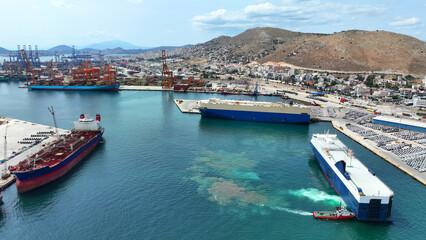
[[187, 106], [23, 139]]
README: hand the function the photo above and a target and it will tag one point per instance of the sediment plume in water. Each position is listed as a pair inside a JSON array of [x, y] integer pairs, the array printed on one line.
[[226, 177], [225, 192], [229, 179]]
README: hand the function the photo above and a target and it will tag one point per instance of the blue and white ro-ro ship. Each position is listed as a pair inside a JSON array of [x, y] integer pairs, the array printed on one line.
[[254, 111], [359, 187]]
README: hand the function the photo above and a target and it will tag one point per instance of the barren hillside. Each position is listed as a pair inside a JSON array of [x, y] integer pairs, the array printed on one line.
[[344, 51], [356, 51]]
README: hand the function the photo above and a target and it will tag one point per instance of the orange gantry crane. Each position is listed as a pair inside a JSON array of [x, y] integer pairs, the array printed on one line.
[[29, 69], [167, 75], [109, 74], [169, 80], [85, 72]]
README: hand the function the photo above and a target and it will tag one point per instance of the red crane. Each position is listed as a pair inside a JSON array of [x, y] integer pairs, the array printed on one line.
[[168, 78], [27, 64], [28, 68], [88, 74]]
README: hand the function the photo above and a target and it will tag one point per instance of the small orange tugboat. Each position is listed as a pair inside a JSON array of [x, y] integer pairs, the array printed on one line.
[[340, 214]]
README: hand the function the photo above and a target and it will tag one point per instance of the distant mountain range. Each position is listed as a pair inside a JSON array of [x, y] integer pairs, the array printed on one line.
[[352, 50], [112, 44], [107, 47], [61, 49], [3, 50]]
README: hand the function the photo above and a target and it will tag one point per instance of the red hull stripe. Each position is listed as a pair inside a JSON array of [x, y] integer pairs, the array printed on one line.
[[333, 187]]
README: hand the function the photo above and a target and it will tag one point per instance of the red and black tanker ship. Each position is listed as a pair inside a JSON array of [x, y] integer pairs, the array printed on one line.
[[60, 156]]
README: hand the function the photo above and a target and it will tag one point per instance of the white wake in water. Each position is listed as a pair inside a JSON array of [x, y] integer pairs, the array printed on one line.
[[312, 194], [295, 211], [318, 196]]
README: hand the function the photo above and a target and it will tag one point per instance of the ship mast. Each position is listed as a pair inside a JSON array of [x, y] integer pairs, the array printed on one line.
[[54, 119]]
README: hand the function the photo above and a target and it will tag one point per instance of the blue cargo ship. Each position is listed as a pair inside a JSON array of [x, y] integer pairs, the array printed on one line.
[[84, 77], [359, 187], [112, 87], [254, 111]]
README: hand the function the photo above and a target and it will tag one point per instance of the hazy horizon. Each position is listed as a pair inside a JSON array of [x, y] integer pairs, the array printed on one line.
[[146, 23]]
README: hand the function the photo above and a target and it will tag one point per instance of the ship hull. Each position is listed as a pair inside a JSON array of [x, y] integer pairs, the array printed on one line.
[[110, 88], [254, 116], [29, 180], [361, 210]]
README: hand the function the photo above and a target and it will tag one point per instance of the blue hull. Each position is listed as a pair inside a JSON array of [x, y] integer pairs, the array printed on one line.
[[113, 88], [28, 175], [361, 210], [255, 116]]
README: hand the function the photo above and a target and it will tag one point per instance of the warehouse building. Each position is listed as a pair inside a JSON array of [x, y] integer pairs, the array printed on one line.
[[401, 123]]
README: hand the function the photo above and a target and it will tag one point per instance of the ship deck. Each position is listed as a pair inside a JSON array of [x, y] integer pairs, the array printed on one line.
[[251, 106], [23, 139], [360, 175], [56, 152], [326, 213], [251, 103]]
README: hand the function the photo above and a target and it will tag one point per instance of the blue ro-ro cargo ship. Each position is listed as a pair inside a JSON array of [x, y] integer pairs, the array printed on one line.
[[254, 111], [359, 187], [110, 88]]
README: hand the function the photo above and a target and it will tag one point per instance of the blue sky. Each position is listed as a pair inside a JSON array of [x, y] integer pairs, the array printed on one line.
[[165, 22]]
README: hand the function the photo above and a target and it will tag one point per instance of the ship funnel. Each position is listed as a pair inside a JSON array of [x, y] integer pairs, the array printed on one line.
[[81, 116], [98, 117]]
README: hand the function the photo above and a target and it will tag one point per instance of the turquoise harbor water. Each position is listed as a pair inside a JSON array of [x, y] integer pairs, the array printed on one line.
[[161, 174]]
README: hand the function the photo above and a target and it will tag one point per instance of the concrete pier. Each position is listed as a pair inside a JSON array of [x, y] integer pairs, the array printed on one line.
[[187, 106], [141, 88], [23, 139]]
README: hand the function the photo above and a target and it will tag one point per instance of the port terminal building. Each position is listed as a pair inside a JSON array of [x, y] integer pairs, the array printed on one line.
[[401, 123]]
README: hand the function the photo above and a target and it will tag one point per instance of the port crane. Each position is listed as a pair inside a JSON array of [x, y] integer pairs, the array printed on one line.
[[28, 67], [169, 80], [167, 75], [85, 72]]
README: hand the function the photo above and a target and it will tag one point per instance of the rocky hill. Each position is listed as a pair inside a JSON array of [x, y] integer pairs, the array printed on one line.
[[344, 51], [3, 50], [248, 46], [61, 49]]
